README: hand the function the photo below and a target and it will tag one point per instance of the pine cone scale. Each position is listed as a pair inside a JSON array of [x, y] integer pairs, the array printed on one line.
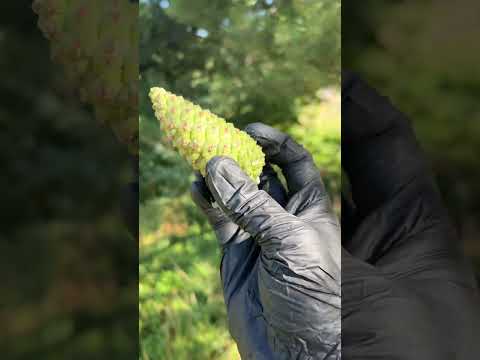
[[198, 135]]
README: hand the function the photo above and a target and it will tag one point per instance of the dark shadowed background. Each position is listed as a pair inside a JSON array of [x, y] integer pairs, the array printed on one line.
[[424, 56], [69, 283]]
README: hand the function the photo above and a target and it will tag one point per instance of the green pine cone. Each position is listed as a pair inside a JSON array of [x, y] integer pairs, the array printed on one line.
[[199, 135], [96, 43]]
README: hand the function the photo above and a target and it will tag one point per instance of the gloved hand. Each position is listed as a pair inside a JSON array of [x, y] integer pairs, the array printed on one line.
[[407, 290], [281, 252]]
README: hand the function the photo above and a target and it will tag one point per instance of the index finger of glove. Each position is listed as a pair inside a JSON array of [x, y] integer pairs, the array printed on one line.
[[379, 151], [293, 159]]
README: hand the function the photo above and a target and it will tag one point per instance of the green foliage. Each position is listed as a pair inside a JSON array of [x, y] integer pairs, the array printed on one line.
[[163, 172], [246, 61], [182, 313], [319, 131]]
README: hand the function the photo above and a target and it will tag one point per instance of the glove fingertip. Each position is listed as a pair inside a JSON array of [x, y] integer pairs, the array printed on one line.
[[252, 128]]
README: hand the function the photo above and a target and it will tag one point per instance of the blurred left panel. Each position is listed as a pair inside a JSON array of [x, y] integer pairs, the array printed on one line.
[[68, 177]]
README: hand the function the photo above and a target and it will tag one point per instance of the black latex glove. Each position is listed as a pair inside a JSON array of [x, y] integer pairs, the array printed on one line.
[[407, 290], [281, 253]]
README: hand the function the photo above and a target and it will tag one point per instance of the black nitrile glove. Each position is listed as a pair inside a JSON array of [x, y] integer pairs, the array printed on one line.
[[281, 253], [407, 291]]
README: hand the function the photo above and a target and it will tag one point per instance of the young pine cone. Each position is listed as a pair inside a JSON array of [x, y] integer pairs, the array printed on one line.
[[96, 43], [199, 135]]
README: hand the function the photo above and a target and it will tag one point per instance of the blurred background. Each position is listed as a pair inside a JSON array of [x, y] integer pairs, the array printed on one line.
[[68, 265], [425, 56], [275, 61]]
